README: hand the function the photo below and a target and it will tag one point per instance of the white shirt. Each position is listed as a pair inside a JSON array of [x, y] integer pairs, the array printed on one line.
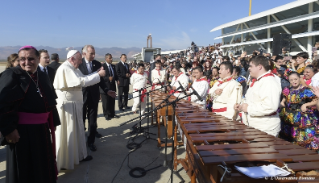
[[89, 66], [138, 80], [183, 79], [231, 94], [42, 69], [109, 67], [201, 88], [263, 100], [158, 76], [124, 65]]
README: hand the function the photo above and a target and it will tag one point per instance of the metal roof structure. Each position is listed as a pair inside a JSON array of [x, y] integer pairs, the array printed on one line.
[[265, 13]]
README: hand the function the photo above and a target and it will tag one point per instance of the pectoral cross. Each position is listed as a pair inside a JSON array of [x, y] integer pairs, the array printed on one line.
[[39, 91]]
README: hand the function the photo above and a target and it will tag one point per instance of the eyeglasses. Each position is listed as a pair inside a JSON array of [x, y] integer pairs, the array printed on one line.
[[23, 59]]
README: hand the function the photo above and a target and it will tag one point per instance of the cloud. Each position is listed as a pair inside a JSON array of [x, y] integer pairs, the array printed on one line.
[[180, 42]]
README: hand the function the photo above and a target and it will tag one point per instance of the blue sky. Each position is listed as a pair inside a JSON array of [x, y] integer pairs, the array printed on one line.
[[105, 23]]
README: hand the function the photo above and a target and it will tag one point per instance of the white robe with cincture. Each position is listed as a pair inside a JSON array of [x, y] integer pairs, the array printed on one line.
[[201, 88], [232, 93], [70, 135], [263, 99]]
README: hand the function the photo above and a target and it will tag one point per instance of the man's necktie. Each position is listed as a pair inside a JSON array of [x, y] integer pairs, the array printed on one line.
[[110, 70], [91, 67], [45, 70]]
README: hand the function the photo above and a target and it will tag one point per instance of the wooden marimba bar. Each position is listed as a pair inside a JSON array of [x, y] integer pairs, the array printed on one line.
[[214, 143], [220, 141]]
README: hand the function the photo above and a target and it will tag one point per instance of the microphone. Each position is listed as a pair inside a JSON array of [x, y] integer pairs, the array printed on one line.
[[181, 87], [197, 95]]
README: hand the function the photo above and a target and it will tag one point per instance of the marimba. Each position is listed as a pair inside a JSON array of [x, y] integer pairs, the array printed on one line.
[[215, 144]]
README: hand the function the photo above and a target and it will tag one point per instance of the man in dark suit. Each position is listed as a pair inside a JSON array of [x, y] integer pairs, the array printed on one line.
[[108, 102], [54, 61], [43, 65], [91, 94], [123, 83]]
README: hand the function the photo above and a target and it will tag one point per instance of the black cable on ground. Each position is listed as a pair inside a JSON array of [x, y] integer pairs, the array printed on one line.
[[133, 146], [122, 164]]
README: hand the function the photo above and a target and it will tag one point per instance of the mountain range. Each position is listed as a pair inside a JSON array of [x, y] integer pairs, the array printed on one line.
[[116, 52]]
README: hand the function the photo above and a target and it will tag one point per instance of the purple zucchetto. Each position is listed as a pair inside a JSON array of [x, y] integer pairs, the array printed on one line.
[[27, 46]]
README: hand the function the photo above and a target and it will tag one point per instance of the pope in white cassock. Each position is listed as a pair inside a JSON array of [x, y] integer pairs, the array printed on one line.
[[70, 135]]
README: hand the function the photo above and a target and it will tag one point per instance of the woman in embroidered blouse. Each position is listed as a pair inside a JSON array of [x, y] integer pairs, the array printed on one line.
[[299, 115]]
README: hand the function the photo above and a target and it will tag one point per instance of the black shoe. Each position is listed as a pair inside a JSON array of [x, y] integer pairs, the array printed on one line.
[[121, 109], [107, 118], [127, 108], [115, 116], [88, 158], [92, 147], [98, 135]]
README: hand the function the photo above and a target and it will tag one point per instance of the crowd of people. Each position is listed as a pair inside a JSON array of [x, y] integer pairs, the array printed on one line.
[[277, 94], [44, 106]]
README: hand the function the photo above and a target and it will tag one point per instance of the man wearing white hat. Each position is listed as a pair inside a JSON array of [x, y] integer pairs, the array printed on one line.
[[70, 137]]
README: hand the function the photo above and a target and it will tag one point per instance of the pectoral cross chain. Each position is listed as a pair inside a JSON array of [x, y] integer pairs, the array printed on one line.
[[39, 91]]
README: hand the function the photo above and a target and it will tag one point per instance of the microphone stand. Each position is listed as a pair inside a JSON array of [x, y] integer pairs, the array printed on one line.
[[141, 129], [173, 103], [156, 108]]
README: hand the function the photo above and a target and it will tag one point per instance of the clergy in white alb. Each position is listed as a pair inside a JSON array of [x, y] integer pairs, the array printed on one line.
[[259, 109], [179, 77], [226, 92], [158, 76], [200, 85], [139, 80], [70, 136]]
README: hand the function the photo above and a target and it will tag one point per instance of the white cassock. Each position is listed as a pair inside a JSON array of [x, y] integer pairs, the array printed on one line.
[[263, 99], [223, 104], [183, 79], [70, 135], [139, 81], [158, 78], [201, 86]]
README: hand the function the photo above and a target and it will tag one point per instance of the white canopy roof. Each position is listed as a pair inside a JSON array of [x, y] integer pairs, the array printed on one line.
[[265, 13], [306, 34], [274, 24], [173, 51]]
